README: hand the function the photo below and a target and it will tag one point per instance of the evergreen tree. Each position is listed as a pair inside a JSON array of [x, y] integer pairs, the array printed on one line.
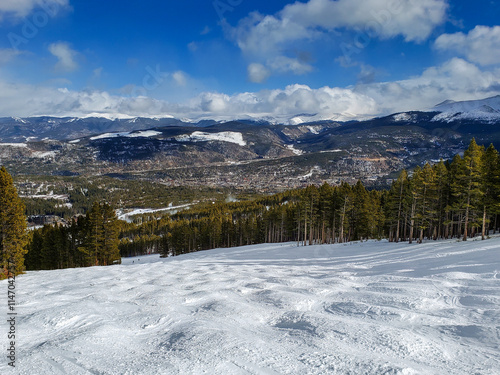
[[491, 186], [13, 236], [95, 236], [110, 252], [397, 202], [442, 186], [472, 179], [424, 190]]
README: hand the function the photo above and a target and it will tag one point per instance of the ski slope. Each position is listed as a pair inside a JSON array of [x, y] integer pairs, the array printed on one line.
[[361, 308]]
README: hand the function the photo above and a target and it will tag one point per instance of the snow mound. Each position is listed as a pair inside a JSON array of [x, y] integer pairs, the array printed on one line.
[[198, 136], [361, 308]]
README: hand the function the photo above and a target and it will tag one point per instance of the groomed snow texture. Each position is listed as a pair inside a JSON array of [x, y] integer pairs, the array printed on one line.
[[360, 308]]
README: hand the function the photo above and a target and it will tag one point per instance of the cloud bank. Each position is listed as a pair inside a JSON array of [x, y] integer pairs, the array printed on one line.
[[455, 79]]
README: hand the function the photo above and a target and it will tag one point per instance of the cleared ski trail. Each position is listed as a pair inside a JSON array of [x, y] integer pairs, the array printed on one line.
[[361, 308]]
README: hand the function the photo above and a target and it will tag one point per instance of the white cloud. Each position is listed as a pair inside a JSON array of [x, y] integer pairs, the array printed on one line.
[[96, 73], [257, 73], [193, 46], [180, 78], [480, 45], [283, 64], [415, 20], [267, 37], [456, 79], [65, 55], [22, 8], [206, 30], [213, 102]]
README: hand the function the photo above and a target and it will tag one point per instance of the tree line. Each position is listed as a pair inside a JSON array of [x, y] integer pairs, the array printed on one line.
[[450, 199], [457, 199], [90, 240]]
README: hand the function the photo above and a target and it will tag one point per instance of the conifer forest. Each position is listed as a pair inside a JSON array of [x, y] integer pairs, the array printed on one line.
[[449, 199]]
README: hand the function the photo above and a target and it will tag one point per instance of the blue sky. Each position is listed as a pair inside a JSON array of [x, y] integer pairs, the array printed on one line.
[[337, 59]]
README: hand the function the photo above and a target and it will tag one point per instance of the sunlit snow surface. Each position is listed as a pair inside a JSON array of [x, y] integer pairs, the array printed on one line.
[[361, 308], [197, 136], [142, 133]]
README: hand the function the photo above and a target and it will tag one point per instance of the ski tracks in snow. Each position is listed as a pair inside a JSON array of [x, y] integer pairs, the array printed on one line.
[[363, 308]]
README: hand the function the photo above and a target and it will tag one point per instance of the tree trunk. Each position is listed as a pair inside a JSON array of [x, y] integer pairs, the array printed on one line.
[[484, 224], [399, 211], [412, 220], [466, 219]]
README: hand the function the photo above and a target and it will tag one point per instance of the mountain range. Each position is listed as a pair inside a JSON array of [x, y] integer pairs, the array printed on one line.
[[246, 153]]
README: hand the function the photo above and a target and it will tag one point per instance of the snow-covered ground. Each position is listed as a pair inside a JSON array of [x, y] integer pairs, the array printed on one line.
[[142, 133], [127, 216], [197, 136], [486, 109], [360, 308]]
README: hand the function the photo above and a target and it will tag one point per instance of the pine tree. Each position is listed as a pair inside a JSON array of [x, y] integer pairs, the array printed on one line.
[[95, 240], [424, 190], [491, 185], [397, 205], [443, 196], [110, 231], [473, 160], [13, 236]]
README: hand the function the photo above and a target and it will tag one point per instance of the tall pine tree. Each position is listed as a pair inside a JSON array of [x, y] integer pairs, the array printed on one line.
[[13, 235]]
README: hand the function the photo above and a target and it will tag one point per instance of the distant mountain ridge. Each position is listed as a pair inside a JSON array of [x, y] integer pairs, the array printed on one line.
[[16, 129], [255, 154], [485, 109]]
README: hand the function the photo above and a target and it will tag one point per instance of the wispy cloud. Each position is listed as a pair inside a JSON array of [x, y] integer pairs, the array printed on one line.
[[21, 8], [9, 54], [180, 78], [65, 55]]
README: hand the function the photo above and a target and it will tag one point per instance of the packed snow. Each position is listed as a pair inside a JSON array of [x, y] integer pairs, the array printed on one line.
[[197, 136], [359, 308]]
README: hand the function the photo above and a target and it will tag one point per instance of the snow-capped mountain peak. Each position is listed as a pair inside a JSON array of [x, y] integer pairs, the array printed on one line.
[[485, 109]]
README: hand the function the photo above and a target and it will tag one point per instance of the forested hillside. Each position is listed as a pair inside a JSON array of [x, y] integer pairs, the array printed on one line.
[[456, 199]]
